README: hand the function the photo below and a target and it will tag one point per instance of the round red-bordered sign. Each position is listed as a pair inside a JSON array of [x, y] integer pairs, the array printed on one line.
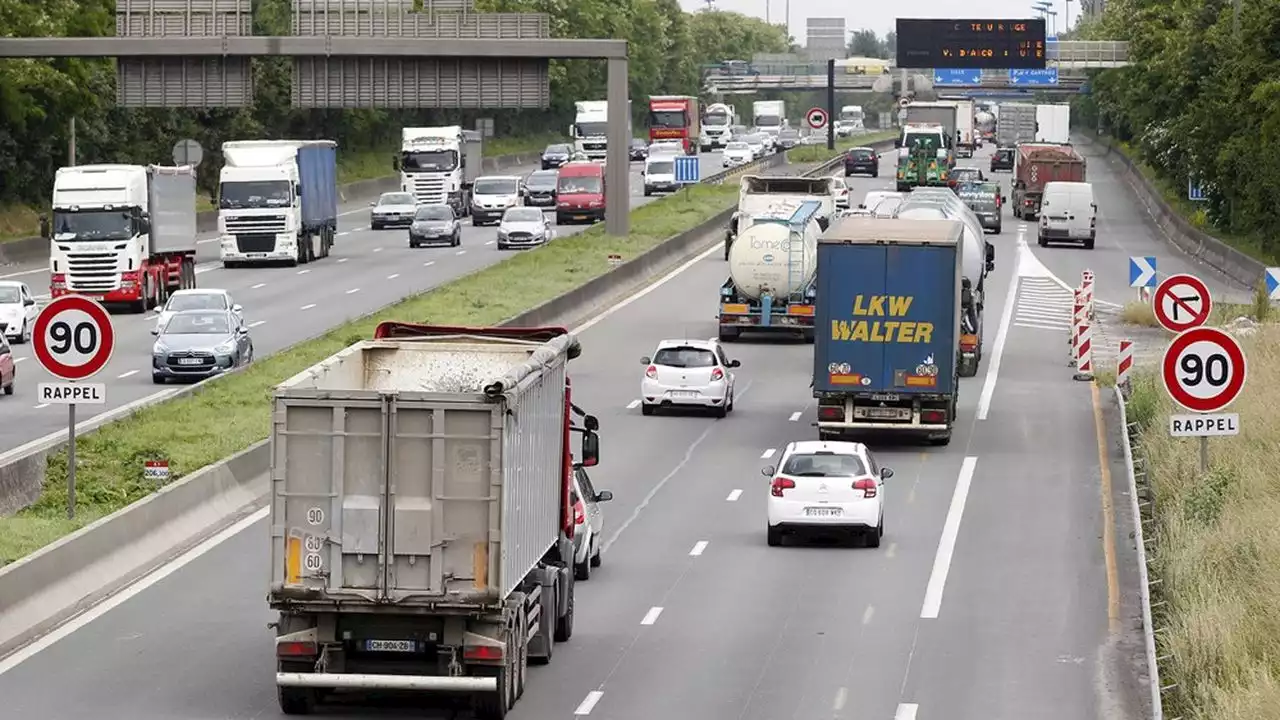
[[816, 117], [1181, 302], [73, 338], [1204, 369]]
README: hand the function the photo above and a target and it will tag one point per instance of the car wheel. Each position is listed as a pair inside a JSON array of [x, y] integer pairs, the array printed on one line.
[[730, 407], [722, 411], [775, 536], [24, 335], [873, 537], [413, 243], [596, 559], [582, 570], [647, 409]]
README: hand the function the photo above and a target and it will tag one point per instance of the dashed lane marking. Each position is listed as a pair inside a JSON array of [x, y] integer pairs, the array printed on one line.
[[633, 404], [795, 417], [698, 548], [733, 496], [307, 307], [585, 707], [259, 285], [767, 454], [393, 276], [124, 375], [353, 291], [651, 617], [256, 323]]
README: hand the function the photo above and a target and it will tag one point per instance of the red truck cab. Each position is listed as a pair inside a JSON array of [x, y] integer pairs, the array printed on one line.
[[675, 117], [580, 193]]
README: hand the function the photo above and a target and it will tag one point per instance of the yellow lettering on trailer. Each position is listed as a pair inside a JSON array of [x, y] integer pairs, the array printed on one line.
[[875, 305], [875, 331]]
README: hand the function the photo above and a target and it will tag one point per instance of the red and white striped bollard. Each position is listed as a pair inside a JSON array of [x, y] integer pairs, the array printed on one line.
[[1084, 353], [1086, 285], [1124, 363]]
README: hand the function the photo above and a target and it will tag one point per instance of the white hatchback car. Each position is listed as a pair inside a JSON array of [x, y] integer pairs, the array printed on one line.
[[737, 153], [18, 311], [840, 189], [688, 373], [824, 486], [588, 520]]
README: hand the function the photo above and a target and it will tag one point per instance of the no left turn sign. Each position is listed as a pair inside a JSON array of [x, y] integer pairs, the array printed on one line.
[[816, 117], [73, 338], [1181, 302], [1204, 369]]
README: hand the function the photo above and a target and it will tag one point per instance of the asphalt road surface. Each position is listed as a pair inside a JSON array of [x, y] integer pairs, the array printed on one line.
[[367, 270], [991, 597]]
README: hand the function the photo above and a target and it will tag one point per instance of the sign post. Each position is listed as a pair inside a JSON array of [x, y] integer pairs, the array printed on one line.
[[73, 340]]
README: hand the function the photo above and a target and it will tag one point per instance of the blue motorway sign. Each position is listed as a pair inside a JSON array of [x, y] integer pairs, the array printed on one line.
[[957, 76], [1033, 78], [687, 170], [1142, 271], [1195, 193]]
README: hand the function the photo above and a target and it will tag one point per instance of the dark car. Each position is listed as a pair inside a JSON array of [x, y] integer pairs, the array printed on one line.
[[1002, 159], [861, 160], [555, 156], [986, 201], [965, 176], [435, 225], [637, 150], [788, 138], [199, 344], [541, 187]]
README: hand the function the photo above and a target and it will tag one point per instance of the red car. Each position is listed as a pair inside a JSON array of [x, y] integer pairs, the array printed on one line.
[[7, 367]]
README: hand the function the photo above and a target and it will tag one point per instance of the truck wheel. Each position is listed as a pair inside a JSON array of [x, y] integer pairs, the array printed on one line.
[[141, 304], [564, 626], [494, 705], [522, 659], [807, 336], [295, 700]]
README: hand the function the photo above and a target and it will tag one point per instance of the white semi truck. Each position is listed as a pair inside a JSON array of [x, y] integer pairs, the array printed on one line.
[[851, 120], [590, 129], [277, 201], [717, 126], [421, 515], [122, 233], [439, 164], [769, 117]]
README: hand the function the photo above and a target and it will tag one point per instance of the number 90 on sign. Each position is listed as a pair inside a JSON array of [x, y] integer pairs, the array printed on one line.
[[1204, 369]]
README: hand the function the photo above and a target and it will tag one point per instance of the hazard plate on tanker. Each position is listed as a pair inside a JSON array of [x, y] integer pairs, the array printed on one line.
[[400, 646]]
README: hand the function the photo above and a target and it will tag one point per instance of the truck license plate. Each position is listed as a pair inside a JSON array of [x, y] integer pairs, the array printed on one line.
[[823, 512], [885, 397], [400, 646], [887, 413], [190, 361]]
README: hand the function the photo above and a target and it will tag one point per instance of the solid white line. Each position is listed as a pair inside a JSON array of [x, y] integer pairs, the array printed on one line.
[[651, 617], [353, 291], [842, 697], [393, 276], [698, 547], [993, 370], [767, 454], [795, 416], [947, 544], [256, 323], [633, 404], [255, 287], [587, 704], [307, 307], [21, 655], [18, 360], [122, 376], [906, 711], [377, 249], [868, 614], [1043, 326], [733, 496]]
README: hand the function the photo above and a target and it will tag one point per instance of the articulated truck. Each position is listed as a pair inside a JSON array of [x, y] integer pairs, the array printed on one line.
[[717, 126], [771, 270], [439, 164], [422, 520], [889, 312], [277, 201], [122, 233]]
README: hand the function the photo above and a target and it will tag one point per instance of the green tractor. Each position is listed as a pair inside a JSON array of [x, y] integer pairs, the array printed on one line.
[[923, 159]]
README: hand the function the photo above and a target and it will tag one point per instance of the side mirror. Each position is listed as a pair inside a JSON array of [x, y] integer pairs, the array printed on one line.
[[735, 363], [590, 449], [897, 143], [991, 252], [604, 496], [28, 302], [297, 189], [591, 422], [237, 309], [395, 163], [373, 204], [155, 331], [886, 473], [242, 330], [646, 360], [144, 226], [44, 227], [768, 470]]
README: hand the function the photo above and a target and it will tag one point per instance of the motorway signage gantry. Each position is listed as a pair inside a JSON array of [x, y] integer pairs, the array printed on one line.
[[72, 339], [816, 117], [1181, 302]]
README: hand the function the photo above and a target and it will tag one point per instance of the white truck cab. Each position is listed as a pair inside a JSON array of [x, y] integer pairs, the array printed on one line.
[[437, 165]]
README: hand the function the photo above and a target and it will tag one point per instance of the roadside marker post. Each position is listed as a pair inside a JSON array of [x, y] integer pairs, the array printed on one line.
[[73, 340], [1273, 283], [1084, 363], [1124, 363], [1077, 319], [1086, 284]]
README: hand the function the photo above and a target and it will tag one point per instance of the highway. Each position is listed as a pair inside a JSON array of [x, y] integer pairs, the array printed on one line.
[[367, 270], [991, 596]]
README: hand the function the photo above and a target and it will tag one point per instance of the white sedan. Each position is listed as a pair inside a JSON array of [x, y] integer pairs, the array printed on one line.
[[823, 486], [18, 311], [737, 153], [197, 299], [688, 373]]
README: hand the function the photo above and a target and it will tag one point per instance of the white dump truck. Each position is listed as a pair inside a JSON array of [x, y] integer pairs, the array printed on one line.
[[421, 522], [439, 164]]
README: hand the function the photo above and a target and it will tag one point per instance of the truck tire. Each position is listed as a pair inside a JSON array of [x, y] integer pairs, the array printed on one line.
[[293, 700], [522, 658], [145, 294], [564, 625], [494, 705], [729, 335]]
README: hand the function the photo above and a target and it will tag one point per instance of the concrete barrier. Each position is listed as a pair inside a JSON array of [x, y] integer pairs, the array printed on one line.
[[1235, 265], [30, 250], [64, 579]]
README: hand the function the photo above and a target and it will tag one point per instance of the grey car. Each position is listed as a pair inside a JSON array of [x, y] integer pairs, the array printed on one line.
[[541, 185], [524, 227], [435, 225], [199, 344], [788, 138], [393, 209]]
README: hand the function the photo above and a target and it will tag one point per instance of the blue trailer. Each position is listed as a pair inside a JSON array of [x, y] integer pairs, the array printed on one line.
[[888, 311], [318, 196]]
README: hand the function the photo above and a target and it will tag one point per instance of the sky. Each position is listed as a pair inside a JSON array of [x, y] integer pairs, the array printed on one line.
[[882, 16]]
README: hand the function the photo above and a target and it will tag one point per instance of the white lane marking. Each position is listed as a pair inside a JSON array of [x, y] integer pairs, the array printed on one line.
[[893, 550], [303, 272], [842, 697], [377, 249], [1006, 318], [490, 242], [906, 711], [429, 263], [461, 252], [795, 417], [868, 614], [393, 276], [353, 291], [19, 656], [651, 617], [633, 404], [18, 360], [767, 454], [124, 375], [698, 547], [256, 323], [259, 285], [584, 708], [42, 405], [733, 496], [307, 307], [947, 544], [344, 232], [206, 240]]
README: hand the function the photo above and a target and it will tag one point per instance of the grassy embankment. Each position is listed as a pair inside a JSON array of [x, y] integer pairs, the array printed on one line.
[[819, 153], [22, 221]]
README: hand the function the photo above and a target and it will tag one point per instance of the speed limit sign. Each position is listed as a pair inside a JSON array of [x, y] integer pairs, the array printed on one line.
[[1204, 369], [73, 338]]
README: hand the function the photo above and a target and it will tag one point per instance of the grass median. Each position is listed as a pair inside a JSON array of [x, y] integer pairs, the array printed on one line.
[[23, 221], [1216, 547], [820, 153], [229, 414]]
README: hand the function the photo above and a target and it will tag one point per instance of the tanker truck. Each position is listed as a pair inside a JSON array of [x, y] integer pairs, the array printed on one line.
[[772, 265], [977, 259], [760, 193]]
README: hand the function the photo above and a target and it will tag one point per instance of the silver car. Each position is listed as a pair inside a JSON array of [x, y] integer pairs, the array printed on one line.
[[588, 519], [435, 225], [393, 209], [524, 227], [199, 344]]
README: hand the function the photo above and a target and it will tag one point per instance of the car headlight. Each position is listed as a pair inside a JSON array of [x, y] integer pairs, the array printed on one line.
[[225, 348], [159, 349]]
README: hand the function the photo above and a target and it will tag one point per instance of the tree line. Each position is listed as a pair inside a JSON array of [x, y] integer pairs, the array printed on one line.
[[38, 98], [1201, 99]]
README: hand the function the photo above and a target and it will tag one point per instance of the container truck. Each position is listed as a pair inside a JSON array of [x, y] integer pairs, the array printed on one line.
[[421, 515], [769, 116], [1053, 123], [979, 259], [966, 139], [122, 233], [277, 201], [1015, 124], [1038, 164], [590, 128], [675, 117], [717, 126], [762, 193], [923, 156], [942, 112], [439, 164], [771, 273], [889, 310]]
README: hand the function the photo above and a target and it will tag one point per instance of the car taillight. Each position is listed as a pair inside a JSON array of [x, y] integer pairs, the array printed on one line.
[[651, 372], [780, 484], [933, 416], [579, 513], [831, 413], [867, 486], [717, 374]]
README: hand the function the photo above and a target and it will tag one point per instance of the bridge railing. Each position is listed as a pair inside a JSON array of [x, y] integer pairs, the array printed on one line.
[[1088, 51]]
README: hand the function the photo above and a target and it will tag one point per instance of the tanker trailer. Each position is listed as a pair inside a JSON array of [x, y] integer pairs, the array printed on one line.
[[772, 266]]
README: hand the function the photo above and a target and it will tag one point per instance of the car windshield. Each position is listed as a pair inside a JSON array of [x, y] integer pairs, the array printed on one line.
[[196, 301], [542, 180], [661, 167], [824, 465], [522, 215], [754, 140], [396, 199], [557, 150], [923, 141], [197, 325], [235, 195], [429, 160], [441, 213], [592, 129], [966, 175], [737, 146], [861, 154], [9, 295], [93, 225], [685, 357], [580, 185], [496, 186]]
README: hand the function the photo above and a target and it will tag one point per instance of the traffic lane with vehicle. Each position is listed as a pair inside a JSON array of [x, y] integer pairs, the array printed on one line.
[[368, 270]]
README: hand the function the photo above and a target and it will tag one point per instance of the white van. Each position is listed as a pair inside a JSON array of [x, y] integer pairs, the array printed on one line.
[[1068, 213], [660, 174]]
